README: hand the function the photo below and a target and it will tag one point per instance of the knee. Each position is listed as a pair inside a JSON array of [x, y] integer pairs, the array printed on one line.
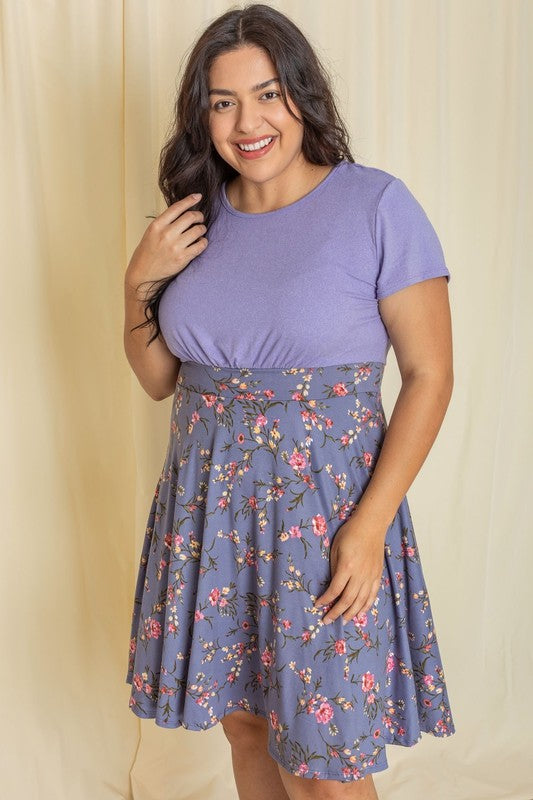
[[244, 728]]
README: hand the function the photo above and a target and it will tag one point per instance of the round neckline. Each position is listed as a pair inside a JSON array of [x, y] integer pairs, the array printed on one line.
[[262, 214]]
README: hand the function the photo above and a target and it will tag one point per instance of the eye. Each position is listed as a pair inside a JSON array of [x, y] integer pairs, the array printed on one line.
[[217, 106], [272, 92]]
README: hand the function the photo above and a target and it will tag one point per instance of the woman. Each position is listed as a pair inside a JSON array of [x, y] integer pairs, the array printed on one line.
[[280, 590]]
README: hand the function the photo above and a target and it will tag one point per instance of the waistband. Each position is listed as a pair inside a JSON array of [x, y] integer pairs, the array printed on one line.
[[290, 383]]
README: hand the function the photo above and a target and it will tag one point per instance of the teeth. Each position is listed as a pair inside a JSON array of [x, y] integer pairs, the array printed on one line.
[[257, 145]]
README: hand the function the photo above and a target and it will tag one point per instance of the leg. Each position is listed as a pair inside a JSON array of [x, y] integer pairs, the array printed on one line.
[[307, 789], [256, 773]]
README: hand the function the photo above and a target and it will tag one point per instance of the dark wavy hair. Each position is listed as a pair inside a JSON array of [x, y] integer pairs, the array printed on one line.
[[189, 162]]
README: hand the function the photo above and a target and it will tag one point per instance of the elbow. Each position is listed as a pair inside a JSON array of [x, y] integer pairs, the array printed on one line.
[[159, 397], [439, 382]]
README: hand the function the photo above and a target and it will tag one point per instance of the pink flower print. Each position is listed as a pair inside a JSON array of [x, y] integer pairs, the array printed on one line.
[[297, 461], [269, 393], [319, 525], [306, 635], [178, 539], [367, 457], [231, 677], [328, 422], [245, 625], [367, 681], [195, 416], [297, 396], [360, 619], [171, 627], [340, 389], [138, 682], [240, 438], [340, 646], [209, 399], [168, 539], [266, 657], [326, 541], [390, 662], [286, 623], [223, 602], [274, 721], [345, 439], [214, 594], [153, 628], [252, 502], [261, 419], [295, 531], [303, 768], [370, 697], [324, 713], [428, 680], [220, 408], [223, 502]]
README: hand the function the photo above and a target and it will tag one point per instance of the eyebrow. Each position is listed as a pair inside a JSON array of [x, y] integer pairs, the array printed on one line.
[[255, 88]]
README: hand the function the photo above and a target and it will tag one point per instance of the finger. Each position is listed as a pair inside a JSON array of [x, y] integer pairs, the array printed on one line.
[[340, 606], [192, 234], [334, 589], [359, 606], [197, 247], [175, 209]]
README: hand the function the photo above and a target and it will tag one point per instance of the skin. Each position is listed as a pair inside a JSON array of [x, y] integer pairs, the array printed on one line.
[[418, 322], [283, 175]]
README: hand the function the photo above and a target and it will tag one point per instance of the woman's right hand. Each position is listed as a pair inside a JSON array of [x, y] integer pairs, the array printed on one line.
[[169, 243]]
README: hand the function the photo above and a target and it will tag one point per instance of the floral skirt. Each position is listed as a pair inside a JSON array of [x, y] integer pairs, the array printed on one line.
[[263, 466]]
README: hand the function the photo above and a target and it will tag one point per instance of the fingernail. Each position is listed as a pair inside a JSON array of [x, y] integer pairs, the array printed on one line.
[[196, 195], [327, 621]]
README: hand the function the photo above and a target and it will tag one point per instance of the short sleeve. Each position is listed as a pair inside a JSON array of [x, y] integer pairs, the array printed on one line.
[[407, 246]]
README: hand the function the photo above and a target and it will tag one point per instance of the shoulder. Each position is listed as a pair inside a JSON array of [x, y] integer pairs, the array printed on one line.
[[367, 183]]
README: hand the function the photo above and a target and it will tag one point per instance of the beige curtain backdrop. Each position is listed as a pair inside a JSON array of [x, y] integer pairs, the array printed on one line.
[[438, 92]]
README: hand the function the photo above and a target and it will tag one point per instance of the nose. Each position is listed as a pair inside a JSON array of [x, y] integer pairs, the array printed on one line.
[[248, 118]]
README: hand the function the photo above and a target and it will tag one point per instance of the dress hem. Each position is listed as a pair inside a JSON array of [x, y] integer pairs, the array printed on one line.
[[315, 774]]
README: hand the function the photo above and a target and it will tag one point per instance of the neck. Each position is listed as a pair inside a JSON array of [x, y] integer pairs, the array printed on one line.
[[297, 180]]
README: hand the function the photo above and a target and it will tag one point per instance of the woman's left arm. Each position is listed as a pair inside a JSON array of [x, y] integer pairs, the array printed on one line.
[[418, 322]]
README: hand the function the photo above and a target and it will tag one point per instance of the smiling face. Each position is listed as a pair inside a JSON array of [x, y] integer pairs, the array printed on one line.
[[245, 105]]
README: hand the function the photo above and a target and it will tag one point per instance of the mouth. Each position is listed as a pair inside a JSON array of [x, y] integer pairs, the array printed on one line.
[[255, 149]]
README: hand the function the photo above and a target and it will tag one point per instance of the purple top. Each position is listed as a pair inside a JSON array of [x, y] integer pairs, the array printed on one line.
[[299, 286]]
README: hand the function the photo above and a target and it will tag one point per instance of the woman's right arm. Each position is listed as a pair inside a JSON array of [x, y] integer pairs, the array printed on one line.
[[169, 243], [155, 366]]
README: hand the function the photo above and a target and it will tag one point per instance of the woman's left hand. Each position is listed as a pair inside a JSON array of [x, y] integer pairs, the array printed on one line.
[[356, 560]]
